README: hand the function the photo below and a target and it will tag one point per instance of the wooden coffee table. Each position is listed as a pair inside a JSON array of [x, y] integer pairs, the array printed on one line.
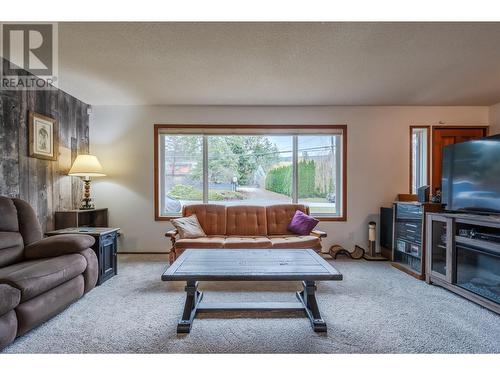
[[251, 265]]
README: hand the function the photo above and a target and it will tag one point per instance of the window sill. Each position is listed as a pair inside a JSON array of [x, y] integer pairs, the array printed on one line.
[[330, 218]]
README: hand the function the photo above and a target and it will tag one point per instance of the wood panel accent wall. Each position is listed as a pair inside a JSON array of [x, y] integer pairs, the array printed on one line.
[[43, 183]]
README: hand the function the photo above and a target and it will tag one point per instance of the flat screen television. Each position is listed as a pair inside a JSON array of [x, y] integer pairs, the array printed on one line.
[[471, 176]]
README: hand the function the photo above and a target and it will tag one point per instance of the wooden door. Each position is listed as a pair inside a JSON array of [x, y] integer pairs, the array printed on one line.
[[444, 136]]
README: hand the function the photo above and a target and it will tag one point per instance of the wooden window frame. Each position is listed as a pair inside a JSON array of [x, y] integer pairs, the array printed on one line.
[[428, 128], [342, 127]]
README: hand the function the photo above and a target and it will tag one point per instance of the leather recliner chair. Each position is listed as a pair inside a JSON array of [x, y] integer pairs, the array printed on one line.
[[39, 277]]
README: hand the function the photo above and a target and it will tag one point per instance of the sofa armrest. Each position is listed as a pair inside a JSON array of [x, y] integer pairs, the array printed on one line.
[[58, 245], [172, 234], [318, 233]]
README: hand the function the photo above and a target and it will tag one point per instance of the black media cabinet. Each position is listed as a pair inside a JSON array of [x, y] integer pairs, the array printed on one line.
[[408, 244], [463, 255]]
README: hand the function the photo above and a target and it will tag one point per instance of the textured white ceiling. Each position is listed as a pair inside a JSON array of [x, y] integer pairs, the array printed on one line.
[[281, 63]]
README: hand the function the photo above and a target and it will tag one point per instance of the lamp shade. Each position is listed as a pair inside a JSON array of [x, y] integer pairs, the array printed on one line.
[[86, 166]]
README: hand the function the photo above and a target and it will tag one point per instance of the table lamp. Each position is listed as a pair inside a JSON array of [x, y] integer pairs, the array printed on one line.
[[86, 166]]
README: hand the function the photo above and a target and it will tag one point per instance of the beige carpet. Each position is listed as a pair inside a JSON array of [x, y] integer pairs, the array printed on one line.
[[375, 309]]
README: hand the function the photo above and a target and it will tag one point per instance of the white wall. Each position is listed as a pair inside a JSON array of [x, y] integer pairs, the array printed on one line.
[[377, 164], [494, 115]]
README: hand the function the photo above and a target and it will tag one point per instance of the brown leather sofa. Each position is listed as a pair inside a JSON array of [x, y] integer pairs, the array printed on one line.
[[38, 277], [254, 227]]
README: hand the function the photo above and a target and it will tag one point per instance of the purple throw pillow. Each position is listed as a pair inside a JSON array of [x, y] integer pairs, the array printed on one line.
[[302, 224]]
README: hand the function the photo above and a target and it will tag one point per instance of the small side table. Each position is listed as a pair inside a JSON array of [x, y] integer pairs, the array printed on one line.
[[105, 247], [97, 217]]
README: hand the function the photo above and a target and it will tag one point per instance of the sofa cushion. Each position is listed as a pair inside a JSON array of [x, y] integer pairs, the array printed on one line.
[[8, 215], [246, 221], [279, 217], [29, 227], [235, 242], [11, 248], [302, 224], [210, 242], [295, 242], [43, 307], [212, 217], [188, 227], [9, 298], [35, 277]]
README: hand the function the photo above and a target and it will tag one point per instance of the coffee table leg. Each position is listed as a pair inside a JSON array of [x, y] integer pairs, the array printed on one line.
[[308, 299], [193, 298]]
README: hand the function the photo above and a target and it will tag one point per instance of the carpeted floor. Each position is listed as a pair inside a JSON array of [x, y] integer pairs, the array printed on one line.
[[375, 309]]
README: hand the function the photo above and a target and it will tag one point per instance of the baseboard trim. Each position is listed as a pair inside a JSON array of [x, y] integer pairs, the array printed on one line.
[[141, 252]]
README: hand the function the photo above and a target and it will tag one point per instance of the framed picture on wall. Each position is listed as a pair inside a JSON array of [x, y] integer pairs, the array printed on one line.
[[43, 136]]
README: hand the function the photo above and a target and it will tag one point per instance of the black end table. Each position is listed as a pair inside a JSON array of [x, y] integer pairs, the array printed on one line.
[[105, 247]]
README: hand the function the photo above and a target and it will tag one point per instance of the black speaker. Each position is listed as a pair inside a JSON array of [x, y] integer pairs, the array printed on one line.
[[423, 193], [386, 227]]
